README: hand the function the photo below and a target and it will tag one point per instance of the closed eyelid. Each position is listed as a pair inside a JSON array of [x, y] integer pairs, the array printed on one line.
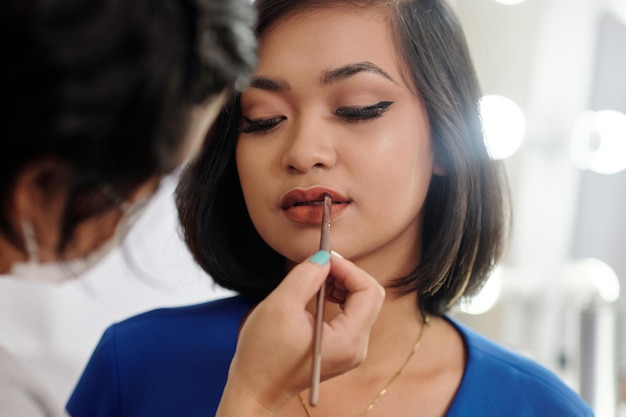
[[363, 113], [260, 108], [266, 99], [261, 124]]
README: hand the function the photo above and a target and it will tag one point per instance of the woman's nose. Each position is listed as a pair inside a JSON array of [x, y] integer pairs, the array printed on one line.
[[309, 148]]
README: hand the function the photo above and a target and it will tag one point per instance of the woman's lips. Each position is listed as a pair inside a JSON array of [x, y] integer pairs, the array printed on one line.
[[306, 206]]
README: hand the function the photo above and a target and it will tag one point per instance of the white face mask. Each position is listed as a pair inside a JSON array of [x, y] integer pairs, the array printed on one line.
[[59, 271]]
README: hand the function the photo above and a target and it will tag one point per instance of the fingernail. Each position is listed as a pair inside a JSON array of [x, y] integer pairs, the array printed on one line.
[[336, 254], [321, 258]]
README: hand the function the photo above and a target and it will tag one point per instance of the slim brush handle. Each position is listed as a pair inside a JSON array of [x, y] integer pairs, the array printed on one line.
[[319, 313]]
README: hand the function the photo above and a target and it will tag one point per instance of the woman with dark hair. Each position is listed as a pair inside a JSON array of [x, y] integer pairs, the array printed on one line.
[[374, 102], [104, 98]]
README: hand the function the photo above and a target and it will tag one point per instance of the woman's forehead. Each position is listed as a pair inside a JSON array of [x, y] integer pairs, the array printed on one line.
[[329, 37]]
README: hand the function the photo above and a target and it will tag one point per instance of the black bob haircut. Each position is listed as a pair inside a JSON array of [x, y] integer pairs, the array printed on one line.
[[466, 210]]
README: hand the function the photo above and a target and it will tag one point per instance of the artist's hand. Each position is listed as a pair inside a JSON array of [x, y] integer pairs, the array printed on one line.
[[273, 359]]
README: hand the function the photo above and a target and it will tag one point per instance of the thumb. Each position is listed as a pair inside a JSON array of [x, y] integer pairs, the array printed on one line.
[[305, 279]]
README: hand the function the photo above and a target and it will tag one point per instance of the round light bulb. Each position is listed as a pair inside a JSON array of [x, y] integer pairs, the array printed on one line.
[[591, 280], [503, 125], [599, 141], [510, 2]]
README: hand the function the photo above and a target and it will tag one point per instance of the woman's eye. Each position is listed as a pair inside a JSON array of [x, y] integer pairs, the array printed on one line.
[[260, 125], [356, 114]]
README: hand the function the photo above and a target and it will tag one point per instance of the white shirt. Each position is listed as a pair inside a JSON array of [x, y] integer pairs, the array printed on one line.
[[21, 395]]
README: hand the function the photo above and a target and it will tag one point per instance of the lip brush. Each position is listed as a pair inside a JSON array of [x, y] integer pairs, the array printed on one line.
[[319, 313]]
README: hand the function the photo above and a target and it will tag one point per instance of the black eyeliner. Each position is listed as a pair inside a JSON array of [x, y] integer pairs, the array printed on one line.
[[260, 125], [363, 113]]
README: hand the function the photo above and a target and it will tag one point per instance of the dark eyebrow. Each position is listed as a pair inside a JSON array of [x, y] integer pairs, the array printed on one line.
[[269, 84], [349, 70]]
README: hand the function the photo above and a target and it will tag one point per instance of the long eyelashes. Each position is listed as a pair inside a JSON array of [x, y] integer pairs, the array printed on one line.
[[351, 114], [261, 125], [356, 114]]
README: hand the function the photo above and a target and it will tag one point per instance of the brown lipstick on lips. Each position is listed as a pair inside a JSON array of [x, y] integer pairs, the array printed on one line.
[[305, 206], [319, 313]]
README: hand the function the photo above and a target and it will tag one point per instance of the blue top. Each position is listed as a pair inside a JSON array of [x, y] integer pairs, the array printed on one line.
[[174, 363]]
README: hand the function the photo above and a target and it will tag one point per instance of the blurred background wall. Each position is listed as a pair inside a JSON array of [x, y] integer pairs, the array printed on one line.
[[559, 61], [556, 60]]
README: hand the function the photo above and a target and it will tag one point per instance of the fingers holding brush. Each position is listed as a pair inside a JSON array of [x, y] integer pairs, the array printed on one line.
[[360, 293], [346, 335], [335, 291], [272, 361], [271, 364]]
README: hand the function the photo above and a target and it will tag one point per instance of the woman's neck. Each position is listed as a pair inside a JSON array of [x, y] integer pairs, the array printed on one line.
[[417, 362], [399, 318]]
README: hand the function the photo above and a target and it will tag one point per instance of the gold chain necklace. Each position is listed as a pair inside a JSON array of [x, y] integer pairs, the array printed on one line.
[[383, 391]]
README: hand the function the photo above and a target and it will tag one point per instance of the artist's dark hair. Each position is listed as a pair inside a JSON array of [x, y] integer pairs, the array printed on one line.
[[105, 87], [466, 210]]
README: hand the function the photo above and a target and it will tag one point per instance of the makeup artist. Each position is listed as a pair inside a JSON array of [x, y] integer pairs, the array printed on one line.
[[104, 98]]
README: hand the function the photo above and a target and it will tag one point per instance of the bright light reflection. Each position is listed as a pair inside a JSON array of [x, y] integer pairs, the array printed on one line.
[[510, 2], [486, 298], [503, 125], [599, 141], [593, 277]]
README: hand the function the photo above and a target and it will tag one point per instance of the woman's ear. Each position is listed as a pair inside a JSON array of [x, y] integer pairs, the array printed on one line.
[[40, 196], [40, 185]]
